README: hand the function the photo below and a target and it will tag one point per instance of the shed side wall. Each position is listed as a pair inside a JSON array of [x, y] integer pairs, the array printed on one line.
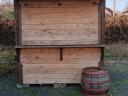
[[75, 22], [43, 66]]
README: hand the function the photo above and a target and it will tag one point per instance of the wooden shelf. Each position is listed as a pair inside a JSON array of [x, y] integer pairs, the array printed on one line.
[[60, 46]]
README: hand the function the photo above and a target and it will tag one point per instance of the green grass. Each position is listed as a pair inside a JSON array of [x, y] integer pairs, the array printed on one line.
[[8, 88], [8, 14], [7, 59], [118, 87], [116, 52]]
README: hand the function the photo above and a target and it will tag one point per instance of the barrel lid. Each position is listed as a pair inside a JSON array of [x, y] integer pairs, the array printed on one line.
[[94, 70]]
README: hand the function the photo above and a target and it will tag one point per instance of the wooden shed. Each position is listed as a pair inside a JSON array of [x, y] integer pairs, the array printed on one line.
[[56, 39]]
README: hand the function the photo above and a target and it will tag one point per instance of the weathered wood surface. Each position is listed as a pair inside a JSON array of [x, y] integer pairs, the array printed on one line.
[[44, 65], [50, 81], [46, 23], [65, 3], [58, 21]]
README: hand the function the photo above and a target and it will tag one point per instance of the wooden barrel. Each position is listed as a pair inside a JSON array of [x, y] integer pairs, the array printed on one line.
[[95, 80]]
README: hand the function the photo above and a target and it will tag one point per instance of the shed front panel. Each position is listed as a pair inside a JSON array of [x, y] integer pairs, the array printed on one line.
[[50, 22], [43, 66]]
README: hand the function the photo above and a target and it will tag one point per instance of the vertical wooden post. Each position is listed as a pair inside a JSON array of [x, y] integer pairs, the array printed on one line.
[[102, 24], [17, 10], [102, 20]]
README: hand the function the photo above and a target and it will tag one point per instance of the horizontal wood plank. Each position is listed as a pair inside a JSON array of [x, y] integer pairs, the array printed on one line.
[[57, 56], [46, 32], [55, 5], [59, 26], [27, 15], [59, 21], [52, 76], [40, 70], [65, 10], [60, 46], [59, 42], [59, 37], [66, 51], [76, 60], [53, 1], [49, 81], [61, 65]]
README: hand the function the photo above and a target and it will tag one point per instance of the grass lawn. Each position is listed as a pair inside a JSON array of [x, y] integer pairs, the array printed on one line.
[[119, 87], [8, 88]]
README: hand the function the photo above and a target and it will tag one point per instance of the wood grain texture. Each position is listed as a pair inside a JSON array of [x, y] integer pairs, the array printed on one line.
[[46, 23], [46, 11], [40, 70], [59, 42], [55, 15], [45, 32], [40, 65], [59, 26], [75, 60], [55, 5], [50, 81], [58, 37], [48, 3], [54, 50], [59, 66], [58, 21], [52, 76]]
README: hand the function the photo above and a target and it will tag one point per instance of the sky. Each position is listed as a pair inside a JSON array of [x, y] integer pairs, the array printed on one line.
[[120, 4]]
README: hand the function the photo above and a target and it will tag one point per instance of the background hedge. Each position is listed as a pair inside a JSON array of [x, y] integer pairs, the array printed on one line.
[[7, 31], [116, 30]]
